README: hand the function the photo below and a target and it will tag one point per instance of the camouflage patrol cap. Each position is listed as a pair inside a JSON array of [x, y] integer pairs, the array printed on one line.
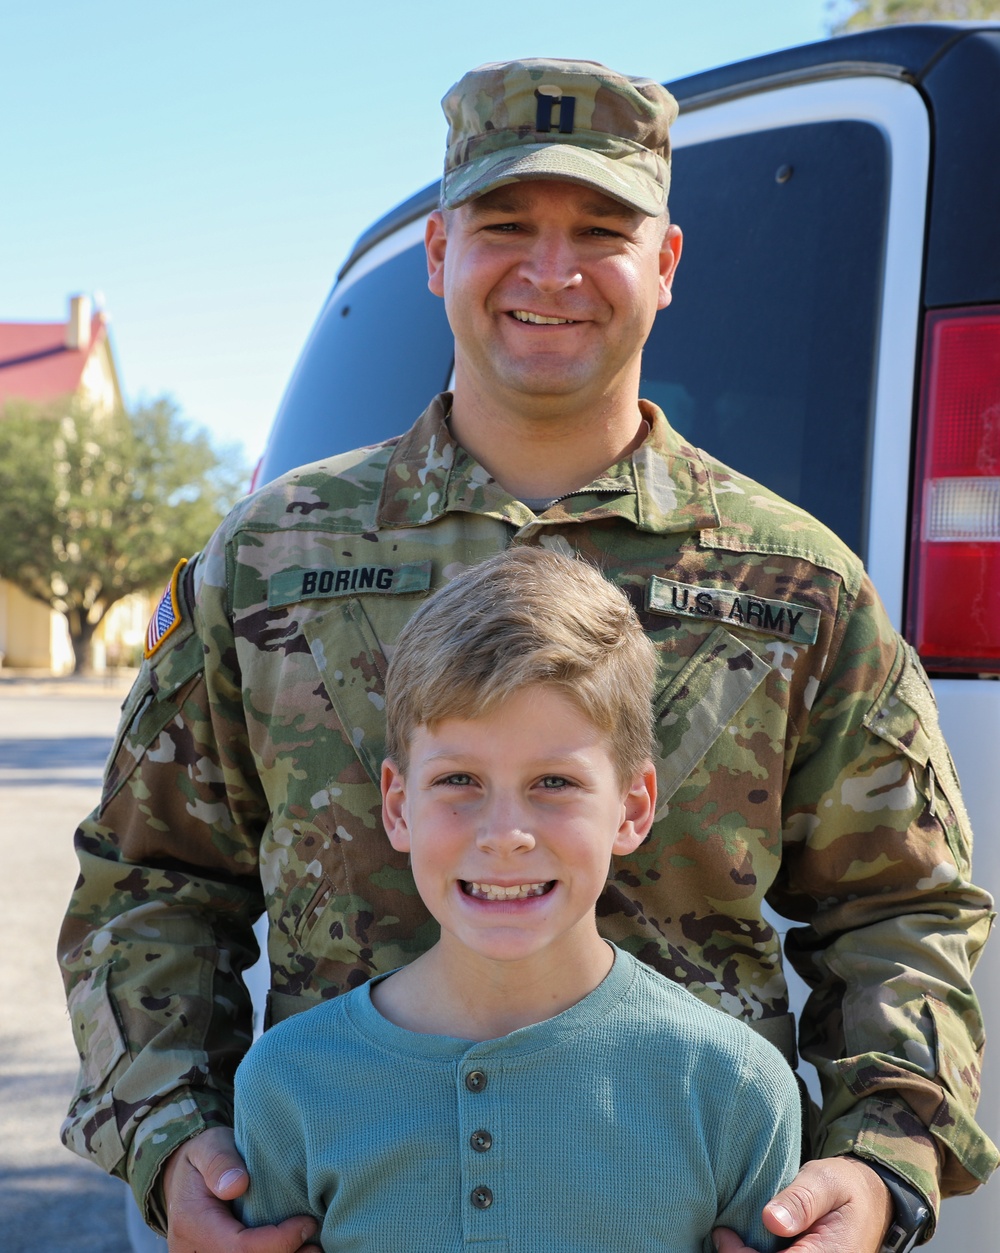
[[574, 120]]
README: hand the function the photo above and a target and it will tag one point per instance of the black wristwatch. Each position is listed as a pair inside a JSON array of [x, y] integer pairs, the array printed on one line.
[[912, 1212]]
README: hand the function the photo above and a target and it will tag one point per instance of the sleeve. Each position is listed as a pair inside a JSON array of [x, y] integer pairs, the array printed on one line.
[[159, 928], [876, 862], [271, 1139], [763, 1157]]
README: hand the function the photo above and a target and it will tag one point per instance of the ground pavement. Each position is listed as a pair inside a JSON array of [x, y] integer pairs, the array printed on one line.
[[54, 737]]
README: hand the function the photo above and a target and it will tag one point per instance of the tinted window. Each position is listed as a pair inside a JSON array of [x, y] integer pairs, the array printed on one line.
[[380, 350], [766, 358]]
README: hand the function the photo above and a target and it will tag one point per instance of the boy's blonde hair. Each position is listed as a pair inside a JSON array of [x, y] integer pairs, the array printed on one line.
[[526, 616]]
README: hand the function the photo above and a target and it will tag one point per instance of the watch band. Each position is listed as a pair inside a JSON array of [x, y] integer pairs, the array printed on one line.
[[912, 1213]]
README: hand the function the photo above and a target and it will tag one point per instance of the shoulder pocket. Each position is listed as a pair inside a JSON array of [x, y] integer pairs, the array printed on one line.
[[696, 706], [905, 715], [176, 658], [156, 697]]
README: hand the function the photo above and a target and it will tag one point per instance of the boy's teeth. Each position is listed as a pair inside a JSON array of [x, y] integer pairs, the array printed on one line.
[[522, 315], [496, 892]]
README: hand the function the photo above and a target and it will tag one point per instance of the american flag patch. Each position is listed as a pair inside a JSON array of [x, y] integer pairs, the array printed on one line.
[[167, 614]]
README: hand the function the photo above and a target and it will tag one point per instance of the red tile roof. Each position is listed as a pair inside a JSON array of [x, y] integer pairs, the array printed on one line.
[[35, 363]]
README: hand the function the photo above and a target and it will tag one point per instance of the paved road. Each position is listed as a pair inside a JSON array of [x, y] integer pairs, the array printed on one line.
[[54, 737]]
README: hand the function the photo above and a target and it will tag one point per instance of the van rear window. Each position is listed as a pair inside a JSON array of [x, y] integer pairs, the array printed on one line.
[[766, 357], [382, 348]]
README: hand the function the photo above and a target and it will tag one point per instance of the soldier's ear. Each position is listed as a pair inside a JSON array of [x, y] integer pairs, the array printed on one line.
[[670, 255], [435, 240], [394, 806]]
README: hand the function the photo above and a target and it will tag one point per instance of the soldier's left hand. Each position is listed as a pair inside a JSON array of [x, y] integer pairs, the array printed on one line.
[[833, 1205]]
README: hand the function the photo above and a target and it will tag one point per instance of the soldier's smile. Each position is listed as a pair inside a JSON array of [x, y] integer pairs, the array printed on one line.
[[539, 319], [551, 289]]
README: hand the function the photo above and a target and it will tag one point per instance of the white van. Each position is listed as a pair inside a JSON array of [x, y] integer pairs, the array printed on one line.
[[834, 333]]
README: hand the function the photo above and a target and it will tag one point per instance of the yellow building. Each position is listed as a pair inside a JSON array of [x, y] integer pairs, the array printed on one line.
[[46, 361]]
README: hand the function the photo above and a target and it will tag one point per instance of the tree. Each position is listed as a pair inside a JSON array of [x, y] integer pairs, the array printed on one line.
[[863, 13], [94, 507]]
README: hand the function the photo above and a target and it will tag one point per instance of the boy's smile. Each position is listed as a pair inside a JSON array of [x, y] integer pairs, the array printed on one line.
[[511, 820], [501, 892]]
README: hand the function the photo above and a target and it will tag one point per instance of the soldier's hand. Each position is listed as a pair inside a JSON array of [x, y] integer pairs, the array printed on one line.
[[199, 1180], [833, 1205]]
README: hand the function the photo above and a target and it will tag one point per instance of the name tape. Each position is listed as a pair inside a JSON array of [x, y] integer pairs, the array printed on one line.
[[318, 582]]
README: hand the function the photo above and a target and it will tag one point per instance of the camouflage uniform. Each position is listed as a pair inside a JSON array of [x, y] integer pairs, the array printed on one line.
[[801, 762]]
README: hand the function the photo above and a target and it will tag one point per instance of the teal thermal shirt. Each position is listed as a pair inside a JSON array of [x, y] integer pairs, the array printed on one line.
[[638, 1119]]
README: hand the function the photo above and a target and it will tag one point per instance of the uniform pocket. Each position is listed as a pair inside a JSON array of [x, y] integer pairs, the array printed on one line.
[[155, 698], [91, 1128], [122, 759], [905, 715], [960, 1040], [314, 911], [697, 704], [350, 659], [95, 1028]]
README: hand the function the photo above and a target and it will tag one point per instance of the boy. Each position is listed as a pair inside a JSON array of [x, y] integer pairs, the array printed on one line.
[[522, 1085]]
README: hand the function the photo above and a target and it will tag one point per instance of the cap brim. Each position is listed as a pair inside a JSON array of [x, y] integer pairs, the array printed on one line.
[[614, 177]]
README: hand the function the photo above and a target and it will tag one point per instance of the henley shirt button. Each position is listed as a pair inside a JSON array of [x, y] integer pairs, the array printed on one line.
[[481, 1141], [482, 1198], [475, 1081]]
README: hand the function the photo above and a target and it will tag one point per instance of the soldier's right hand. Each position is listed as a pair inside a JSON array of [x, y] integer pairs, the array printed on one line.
[[199, 1180]]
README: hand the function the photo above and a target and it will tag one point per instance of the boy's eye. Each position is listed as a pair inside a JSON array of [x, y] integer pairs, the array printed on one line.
[[552, 782], [456, 780]]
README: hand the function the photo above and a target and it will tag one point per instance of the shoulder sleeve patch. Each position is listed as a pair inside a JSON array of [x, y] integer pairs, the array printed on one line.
[[167, 615]]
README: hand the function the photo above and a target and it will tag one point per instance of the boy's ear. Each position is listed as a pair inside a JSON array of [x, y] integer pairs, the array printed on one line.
[[393, 806], [638, 808]]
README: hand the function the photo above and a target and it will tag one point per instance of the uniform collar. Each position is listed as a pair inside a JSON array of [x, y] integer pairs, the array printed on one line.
[[662, 487]]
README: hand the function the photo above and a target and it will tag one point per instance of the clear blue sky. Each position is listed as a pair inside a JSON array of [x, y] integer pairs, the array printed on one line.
[[207, 164]]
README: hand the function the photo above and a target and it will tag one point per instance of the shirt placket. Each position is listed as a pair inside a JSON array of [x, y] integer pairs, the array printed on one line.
[[485, 1200]]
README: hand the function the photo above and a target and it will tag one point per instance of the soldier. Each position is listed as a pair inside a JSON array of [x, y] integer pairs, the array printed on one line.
[[800, 762]]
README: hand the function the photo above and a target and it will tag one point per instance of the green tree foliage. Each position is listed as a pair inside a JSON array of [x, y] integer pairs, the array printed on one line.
[[93, 508], [848, 15]]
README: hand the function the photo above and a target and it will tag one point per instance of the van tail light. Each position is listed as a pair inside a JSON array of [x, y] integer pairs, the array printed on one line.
[[953, 613]]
